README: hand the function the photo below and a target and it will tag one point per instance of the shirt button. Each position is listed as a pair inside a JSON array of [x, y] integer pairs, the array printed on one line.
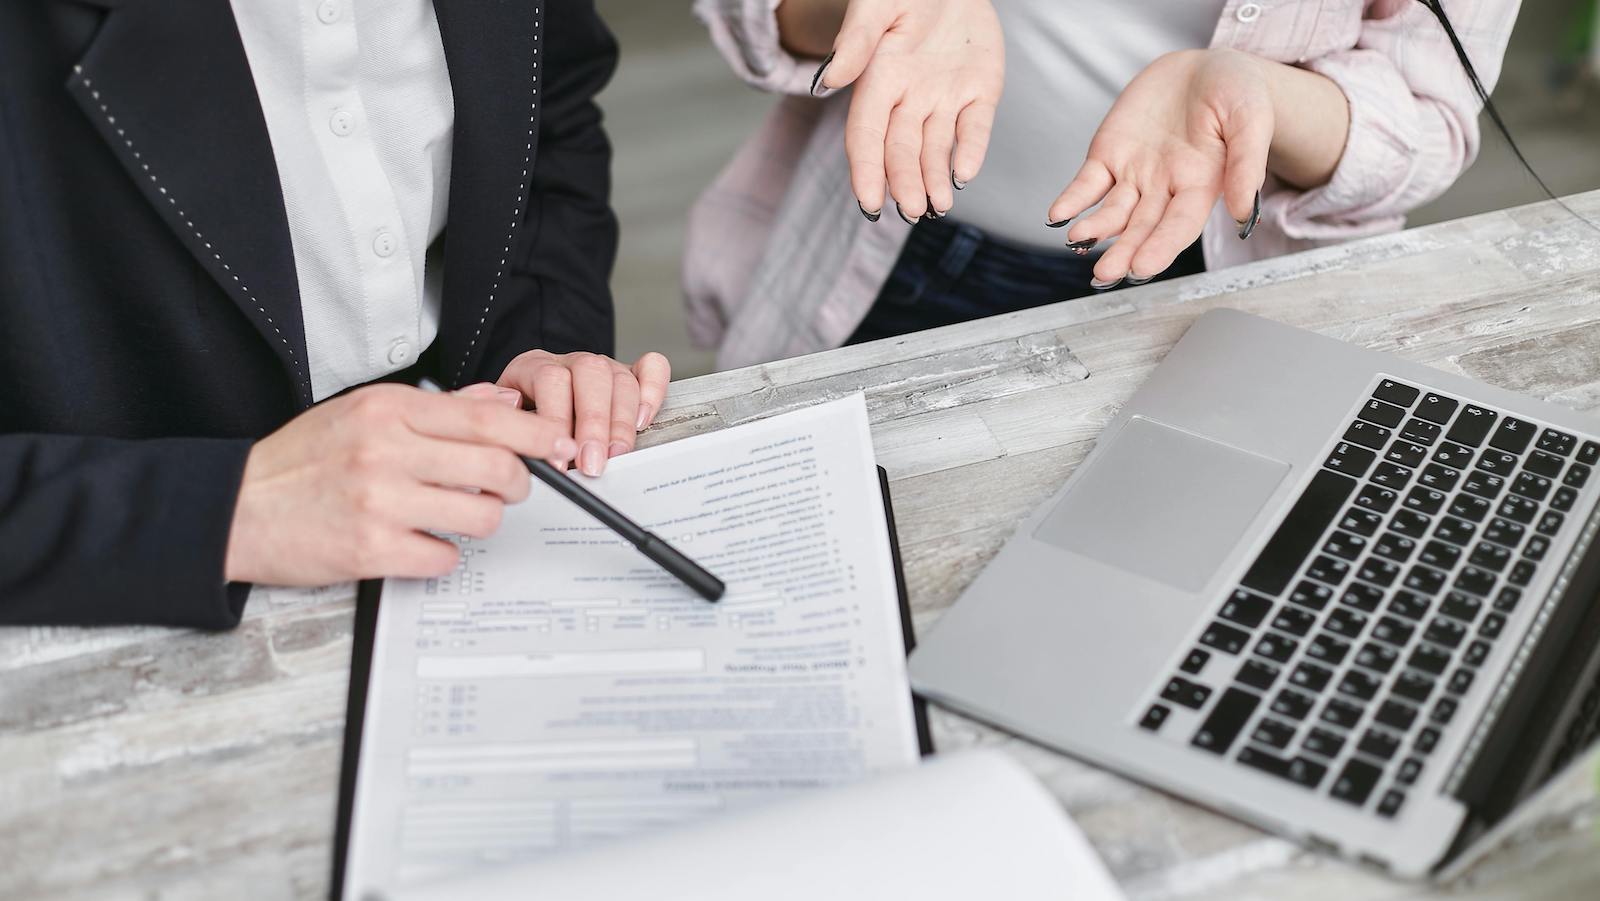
[[1248, 12], [384, 244], [400, 352], [342, 123], [328, 12]]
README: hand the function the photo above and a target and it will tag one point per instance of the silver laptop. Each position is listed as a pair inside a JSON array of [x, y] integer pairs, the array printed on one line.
[[1346, 597]]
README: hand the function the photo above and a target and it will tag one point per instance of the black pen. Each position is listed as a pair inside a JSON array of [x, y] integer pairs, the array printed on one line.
[[670, 558], [665, 555]]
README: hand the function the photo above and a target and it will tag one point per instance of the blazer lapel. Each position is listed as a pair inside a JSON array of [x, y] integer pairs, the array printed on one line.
[[492, 50], [169, 88]]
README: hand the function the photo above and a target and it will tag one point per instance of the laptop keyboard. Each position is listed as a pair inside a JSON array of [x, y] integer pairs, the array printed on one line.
[[1363, 621]]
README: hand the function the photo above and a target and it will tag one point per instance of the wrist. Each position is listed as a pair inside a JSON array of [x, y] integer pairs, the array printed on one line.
[[1311, 123]]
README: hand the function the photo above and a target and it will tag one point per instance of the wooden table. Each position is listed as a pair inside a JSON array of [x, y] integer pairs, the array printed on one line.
[[152, 762]]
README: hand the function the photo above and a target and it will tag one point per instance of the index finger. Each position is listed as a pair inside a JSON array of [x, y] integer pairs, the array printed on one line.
[[488, 422]]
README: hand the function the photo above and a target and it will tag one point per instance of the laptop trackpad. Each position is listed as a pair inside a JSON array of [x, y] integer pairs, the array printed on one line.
[[1162, 503]]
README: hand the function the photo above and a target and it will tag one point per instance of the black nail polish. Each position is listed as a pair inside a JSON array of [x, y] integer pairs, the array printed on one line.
[[933, 213], [817, 78], [1082, 248], [908, 219], [1248, 226], [1099, 285], [1132, 280], [1059, 223], [957, 183], [871, 217]]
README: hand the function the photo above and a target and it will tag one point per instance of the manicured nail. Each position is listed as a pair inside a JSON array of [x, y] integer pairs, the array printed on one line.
[[645, 413], [617, 447], [1247, 226], [1099, 285], [871, 217], [908, 219], [1082, 248], [564, 449], [933, 213], [1058, 223], [817, 78], [1135, 280], [592, 459], [957, 183]]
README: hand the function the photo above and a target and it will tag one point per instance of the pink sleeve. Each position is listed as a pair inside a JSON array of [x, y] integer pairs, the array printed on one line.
[[1413, 116], [745, 32]]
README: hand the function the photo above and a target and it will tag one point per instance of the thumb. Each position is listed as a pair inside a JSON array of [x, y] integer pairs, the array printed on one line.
[[864, 26], [1245, 168]]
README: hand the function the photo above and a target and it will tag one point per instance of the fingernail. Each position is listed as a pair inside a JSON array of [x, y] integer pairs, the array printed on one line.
[[564, 449], [1099, 285], [645, 412], [592, 459], [817, 78], [1135, 280], [908, 219], [957, 183], [1082, 248], [1248, 226], [871, 217], [1058, 223], [478, 389], [510, 396], [617, 447], [932, 213]]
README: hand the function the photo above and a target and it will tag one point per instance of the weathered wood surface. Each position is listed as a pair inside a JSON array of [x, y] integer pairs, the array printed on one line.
[[157, 763]]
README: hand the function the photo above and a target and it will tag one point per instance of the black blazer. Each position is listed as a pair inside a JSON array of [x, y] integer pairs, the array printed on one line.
[[150, 323]]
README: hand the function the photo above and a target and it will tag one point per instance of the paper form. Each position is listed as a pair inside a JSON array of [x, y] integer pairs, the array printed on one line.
[[558, 689]]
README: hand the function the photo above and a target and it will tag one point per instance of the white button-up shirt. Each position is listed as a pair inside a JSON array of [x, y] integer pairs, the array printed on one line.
[[358, 105]]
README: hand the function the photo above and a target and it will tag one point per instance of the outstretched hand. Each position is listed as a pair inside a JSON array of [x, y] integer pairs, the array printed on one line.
[[1195, 124], [927, 76]]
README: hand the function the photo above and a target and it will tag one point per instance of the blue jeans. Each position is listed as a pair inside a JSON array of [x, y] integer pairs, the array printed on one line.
[[951, 273]]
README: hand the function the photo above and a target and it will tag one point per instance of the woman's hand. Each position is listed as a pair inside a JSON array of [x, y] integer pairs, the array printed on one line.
[[1194, 124], [601, 403], [351, 488], [927, 76]]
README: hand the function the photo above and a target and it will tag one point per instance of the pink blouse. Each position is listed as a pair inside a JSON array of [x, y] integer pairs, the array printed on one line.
[[779, 261]]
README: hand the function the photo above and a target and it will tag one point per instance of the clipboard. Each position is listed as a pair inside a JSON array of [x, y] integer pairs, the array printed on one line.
[[369, 596]]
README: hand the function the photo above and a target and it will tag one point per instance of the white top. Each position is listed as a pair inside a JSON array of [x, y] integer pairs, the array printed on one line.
[[358, 105], [1066, 62]]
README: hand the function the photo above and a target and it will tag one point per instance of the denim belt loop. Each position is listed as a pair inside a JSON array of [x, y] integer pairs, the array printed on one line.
[[963, 246]]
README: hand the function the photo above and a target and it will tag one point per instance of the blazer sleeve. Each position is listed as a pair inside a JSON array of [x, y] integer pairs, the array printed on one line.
[[564, 275], [1413, 115], [96, 531]]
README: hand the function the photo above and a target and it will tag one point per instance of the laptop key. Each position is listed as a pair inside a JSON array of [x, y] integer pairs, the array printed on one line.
[[1223, 724], [1406, 454], [1410, 523], [1328, 649], [1442, 478], [1190, 694], [1225, 638], [1381, 413], [1436, 409], [1195, 662], [1408, 604], [1299, 532], [1564, 498], [1521, 573], [1493, 625], [1358, 684], [1310, 677], [1466, 506], [1429, 659], [1377, 657], [1355, 782], [1292, 704], [1323, 743], [1298, 770], [1472, 426], [1499, 463], [1310, 594], [1455, 531], [1476, 580], [1367, 435], [1483, 484], [1541, 463], [1490, 556], [1395, 547], [1346, 545], [1293, 620], [1408, 772], [1396, 715], [1273, 733], [1424, 580], [1378, 744], [1389, 805], [1554, 442], [1420, 431], [1245, 608], [1513, 435], [1506, 600], [1519, 509], [1532, 486], [1425, 500], [1444, 711], [1276, 647], [1391, 475], [1361, 522], [1446, 632], [1549, 523], [1504, 532], [1327, 570], [1589, 454], [1427, 740], [1341, 713], [1376, 498], [1538, 546], [1257, 674], [1439, 554], [1350, 459], [1393, 631], [1413, 686], [1379, 571], [1453, 455], [1154, 717], [1396, 392], [1464, 607], [1347, 623], [1460, 681], [1577, 476]]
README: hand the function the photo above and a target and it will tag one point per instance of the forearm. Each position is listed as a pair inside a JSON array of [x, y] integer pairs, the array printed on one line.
[[806, 28], [1312, 123]]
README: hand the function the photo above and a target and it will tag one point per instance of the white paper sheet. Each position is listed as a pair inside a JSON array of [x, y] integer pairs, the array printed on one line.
[[971, 826], [559, 690]]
